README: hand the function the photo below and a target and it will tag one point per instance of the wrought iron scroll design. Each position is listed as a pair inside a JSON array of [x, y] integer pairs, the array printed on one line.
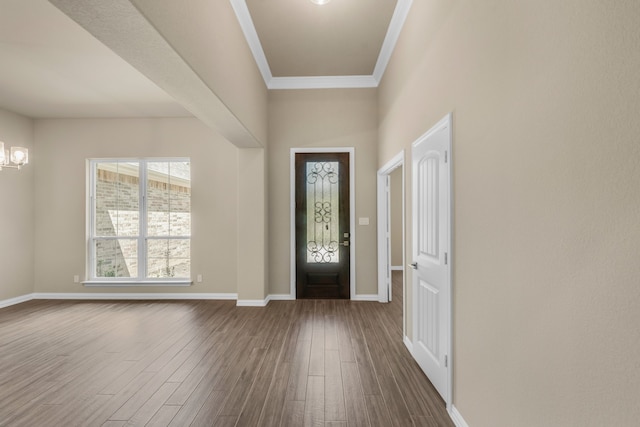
[[322, 206]]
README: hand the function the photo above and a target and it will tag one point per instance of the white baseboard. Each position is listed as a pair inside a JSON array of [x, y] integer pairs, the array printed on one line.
[[134, 296], [16, 300], [456, 417], [264, 302], [227, 296], [407, 342], [365, 297], [281, 297], [252, 302], [397, 268]]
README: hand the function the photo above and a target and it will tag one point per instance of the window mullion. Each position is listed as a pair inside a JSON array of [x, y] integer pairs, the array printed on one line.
[[92, 220], [142, 241]]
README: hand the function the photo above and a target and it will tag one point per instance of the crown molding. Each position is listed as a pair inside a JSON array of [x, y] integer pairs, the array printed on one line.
[[321, 82], [249, 30], [393, 33]]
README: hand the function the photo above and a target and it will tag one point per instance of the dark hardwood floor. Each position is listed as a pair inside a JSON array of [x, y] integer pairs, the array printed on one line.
[[397, 300], [210, 363]]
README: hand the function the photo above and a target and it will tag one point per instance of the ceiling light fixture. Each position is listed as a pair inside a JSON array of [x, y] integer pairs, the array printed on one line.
[[320, 2], [14, 158]]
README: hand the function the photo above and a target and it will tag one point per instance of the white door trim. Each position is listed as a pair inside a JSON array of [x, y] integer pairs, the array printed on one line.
[[352, 212], [446, 121], [384, 255]]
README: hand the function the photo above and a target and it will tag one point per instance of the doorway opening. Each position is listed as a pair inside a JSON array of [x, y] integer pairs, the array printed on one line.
[[396, 245], [391, 232]]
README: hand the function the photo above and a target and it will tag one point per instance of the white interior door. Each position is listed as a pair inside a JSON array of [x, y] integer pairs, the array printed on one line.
[[431, 253]]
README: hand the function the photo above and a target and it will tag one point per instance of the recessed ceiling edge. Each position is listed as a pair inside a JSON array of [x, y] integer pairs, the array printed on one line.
[[321, 82]]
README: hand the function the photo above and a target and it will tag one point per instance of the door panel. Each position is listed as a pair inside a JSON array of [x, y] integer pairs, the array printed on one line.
[[431, 273], [428, 219], [322, 225], [429, 324]]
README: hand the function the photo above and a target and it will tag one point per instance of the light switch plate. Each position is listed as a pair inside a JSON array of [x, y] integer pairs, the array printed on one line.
[[363, 221]]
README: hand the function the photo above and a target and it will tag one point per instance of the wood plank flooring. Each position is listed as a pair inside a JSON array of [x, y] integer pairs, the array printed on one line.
[[210, 363]]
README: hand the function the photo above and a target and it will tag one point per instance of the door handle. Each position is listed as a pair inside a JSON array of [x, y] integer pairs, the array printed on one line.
[[345, 243], [414, 265]]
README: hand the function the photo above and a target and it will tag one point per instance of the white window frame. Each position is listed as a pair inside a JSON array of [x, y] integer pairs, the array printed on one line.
[[142, 238]]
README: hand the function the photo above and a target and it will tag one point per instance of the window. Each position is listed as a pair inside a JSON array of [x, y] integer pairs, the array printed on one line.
[[140, 220]]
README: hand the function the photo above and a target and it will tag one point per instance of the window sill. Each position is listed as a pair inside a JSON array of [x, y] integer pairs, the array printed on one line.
[[127, 283]]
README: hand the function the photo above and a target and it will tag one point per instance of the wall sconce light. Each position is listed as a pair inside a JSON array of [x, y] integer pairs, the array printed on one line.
[[14, 158]]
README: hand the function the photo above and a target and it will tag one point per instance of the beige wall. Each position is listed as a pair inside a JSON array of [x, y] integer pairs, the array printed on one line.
[[207, 35], [252, 225], [16, 211], [545, 97], [322, 118], [60, 202], [395, 209]]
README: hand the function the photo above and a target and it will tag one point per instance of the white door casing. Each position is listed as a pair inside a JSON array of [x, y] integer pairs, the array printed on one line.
[[384, 218], [431, 188]]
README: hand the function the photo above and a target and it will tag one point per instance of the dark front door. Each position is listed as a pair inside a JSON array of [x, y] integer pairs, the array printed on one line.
[[322, 225]]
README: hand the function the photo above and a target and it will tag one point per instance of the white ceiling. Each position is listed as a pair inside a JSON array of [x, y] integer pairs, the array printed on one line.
[[53, 68]]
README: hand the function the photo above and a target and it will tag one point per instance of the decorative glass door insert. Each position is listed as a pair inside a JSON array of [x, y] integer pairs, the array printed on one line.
[[323, 206]]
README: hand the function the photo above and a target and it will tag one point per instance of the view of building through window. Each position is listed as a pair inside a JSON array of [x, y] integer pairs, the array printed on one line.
[[141, 216]]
